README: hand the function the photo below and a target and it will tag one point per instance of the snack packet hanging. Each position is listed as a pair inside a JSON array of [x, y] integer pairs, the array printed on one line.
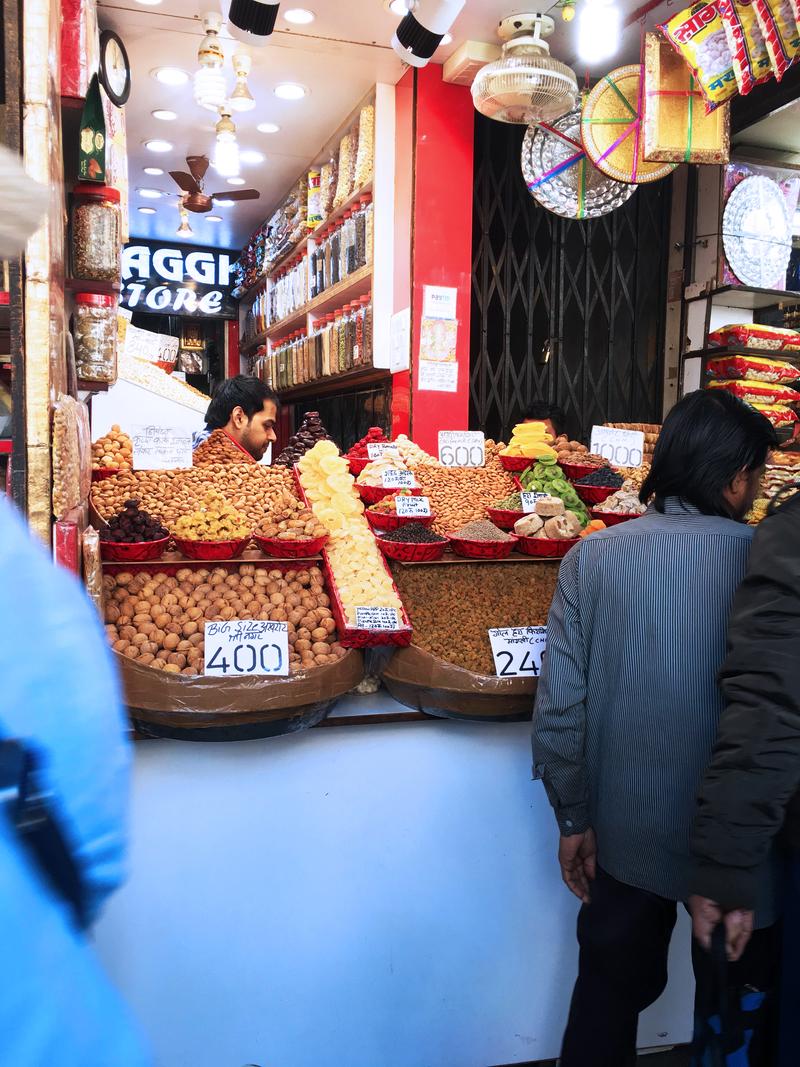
[[781, 418], [751, 60], [781, 32], [698, 35], [758, 392]]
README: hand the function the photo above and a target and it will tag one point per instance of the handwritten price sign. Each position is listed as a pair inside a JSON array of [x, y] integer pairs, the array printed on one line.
[[398, 480], [529, 501], [622, 448], [247, 646], [376, 450], [462, 448], [518, 650], [161, 448], [377, 619], [412, 505]]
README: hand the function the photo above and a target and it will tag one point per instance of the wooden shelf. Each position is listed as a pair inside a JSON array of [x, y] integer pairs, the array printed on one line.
[[781, 355], [80, 285], [747, 297], [450, 557], [85, 386], [339, 211], [349, 380], [287, 324], [358, 284], [246, 347]]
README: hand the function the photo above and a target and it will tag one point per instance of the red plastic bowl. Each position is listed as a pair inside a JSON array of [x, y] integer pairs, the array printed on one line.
[[99, 474], [546, 547], [504, 517], [412, 552], [300, 549], [612, 518], [482, 549], [357, 465], [141, 552], [516, 463], [371, 494], [384, 520], [574, 471], [212, 550], [595, 494]]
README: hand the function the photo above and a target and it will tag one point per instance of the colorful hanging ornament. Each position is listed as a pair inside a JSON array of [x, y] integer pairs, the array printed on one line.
[[612, 128], [561, 177], [676, 126]]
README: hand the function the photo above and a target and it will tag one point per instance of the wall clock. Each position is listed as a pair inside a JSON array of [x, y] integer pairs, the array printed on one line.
[[115, 68]]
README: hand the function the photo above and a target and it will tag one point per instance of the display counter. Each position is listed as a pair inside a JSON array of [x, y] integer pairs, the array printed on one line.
[[363, 896]]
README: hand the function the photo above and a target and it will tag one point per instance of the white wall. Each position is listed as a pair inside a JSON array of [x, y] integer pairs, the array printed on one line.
[[126, 404], [365, 896]]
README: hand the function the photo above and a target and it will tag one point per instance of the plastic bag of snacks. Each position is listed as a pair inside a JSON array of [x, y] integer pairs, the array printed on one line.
[[781, 33], [758, 392], [93, 569], [752, 335], [314, 215], [366, 146], [347, 163], [752, 369], [698, 35], [751, 60], [327, 187], [782, 418]]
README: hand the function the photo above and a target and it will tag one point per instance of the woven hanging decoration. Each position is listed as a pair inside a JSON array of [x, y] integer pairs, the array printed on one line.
[[612, 128], [561, 177], [676, 126]]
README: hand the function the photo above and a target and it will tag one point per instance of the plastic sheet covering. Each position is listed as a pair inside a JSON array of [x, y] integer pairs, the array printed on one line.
[[93, 569], [424, 682], [226, 709]]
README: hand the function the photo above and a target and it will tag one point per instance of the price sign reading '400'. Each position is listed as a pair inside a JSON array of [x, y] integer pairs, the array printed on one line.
[[518, 650], [462, 448], [622, 448], [246, 646]]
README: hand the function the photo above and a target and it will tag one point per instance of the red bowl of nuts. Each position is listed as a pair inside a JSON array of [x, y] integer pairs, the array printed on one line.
[[357, 465], [594, 494], [390, 520], [612, 518], [546, 547], [574, 471], [136, 552], [298, 548], [412, 551], [504, 517], [464, 546], [212, 551], [515, 463], [99, 474], [371, 494]]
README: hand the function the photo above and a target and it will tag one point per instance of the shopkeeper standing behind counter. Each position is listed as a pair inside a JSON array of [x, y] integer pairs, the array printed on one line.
[[247, 411]]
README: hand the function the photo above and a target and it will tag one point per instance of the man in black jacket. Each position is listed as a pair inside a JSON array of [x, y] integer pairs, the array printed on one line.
[[750, 790]]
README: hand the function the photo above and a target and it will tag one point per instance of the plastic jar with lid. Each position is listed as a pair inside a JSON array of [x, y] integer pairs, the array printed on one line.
[[358, 340], [360, 220], [369, 226], [96, 337], [348, 245], [96, 233], [366, 359], [336, 255]]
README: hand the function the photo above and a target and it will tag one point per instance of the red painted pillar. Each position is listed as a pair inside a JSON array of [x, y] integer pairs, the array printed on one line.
[[441, 238]]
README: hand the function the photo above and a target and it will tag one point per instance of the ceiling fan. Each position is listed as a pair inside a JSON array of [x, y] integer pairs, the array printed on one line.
[[192, 185]]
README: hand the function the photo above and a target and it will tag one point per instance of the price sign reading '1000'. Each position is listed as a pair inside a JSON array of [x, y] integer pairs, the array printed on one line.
[[622, 448], [462, 448], [518, 650], [247, 646]]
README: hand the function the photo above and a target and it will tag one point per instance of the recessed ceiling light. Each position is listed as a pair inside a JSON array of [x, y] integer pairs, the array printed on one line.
[[447, 39], [398, 7], [147, 210], [159, 146], [236, 181], [153, 170], [170, 75], [290, 91], [164, 115], [267, 127], [214, 218], [224, 203], [250, 155], [151, 194], [300, 16]]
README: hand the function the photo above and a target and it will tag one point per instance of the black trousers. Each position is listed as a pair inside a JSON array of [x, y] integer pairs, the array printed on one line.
[[624, 936]]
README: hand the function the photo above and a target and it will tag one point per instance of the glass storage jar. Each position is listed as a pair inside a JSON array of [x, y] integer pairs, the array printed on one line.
[[96, 337], [96, 233]]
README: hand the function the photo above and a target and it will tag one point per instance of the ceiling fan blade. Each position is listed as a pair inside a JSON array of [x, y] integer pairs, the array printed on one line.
[[198, 165], [184, 181], [240, 194]]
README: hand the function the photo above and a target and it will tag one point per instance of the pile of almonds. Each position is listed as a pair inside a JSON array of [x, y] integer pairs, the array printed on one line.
[[158, 620], [115, 449], [251, 489], [218, 447], [459, 495]]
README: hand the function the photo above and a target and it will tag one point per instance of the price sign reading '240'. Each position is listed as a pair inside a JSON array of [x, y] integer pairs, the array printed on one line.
[[462, 448]]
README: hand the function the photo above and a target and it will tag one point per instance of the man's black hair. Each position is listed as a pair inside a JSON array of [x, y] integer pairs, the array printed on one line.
[[706, 439], [538, 412], [242, 391]]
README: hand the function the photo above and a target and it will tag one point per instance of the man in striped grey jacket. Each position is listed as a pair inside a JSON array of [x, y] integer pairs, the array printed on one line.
[[627, 710]]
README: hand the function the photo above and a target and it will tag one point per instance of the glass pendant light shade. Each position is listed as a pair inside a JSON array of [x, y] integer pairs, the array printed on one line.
[[241, 98]]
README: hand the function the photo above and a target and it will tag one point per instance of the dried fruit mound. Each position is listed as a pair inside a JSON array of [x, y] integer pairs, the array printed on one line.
[[459, 495]]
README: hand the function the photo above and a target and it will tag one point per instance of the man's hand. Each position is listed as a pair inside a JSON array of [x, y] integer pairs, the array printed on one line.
[[707, 914], [577, 856]]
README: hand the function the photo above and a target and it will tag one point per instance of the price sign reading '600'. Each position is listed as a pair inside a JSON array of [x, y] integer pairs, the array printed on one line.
[[622, 448], [462, 448], [246, 646], [518, 650]]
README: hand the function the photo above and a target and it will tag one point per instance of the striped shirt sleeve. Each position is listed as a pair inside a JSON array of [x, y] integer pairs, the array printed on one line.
[[559, 718]]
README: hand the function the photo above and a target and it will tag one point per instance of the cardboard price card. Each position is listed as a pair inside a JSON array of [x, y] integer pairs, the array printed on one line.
[[393, 479], [518, 650], [377, 450], [377, 619], [412, 505], [622, 448], [246, 646], [529, 500], [161, 448], [462, 448]]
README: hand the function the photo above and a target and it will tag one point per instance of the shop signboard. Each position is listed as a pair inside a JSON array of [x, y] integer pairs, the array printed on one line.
[[161, 279]]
